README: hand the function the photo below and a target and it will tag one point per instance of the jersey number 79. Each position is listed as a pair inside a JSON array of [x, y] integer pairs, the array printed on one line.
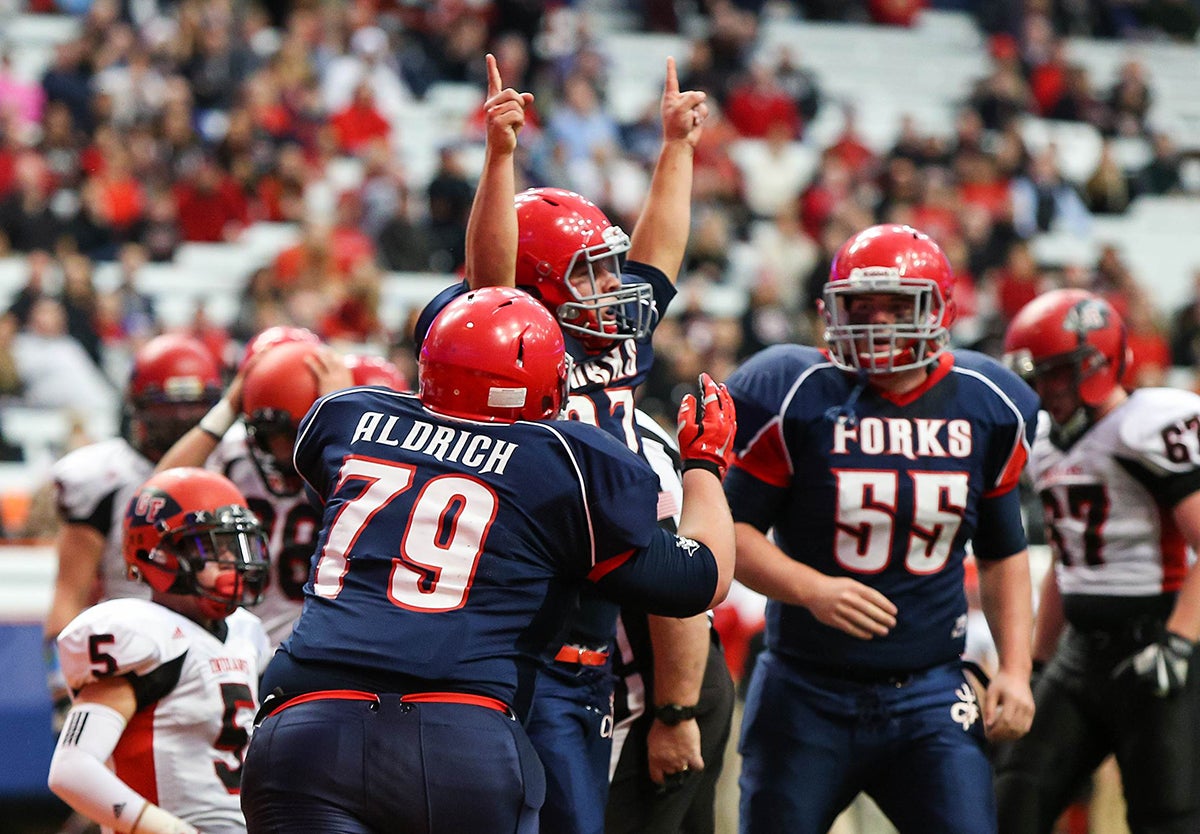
[[443, 537]]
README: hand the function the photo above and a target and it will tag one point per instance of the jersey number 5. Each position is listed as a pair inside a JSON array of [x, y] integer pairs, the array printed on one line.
[[866, 518], [443, 536]]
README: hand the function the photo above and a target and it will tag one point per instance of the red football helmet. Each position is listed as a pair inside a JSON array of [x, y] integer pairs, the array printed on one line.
[[183, 518], [494, 354], [897, 261], [277, 392], [559, 230], [174, 381], [278, 335], [1069, 328], [375, 370]]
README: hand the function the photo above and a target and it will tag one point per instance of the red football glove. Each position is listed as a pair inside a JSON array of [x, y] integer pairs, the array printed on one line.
[[706, 433]]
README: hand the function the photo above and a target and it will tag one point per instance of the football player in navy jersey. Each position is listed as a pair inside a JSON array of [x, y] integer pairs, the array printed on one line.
[[876, 462], [562, 249], [1119, 479], [458, 525]]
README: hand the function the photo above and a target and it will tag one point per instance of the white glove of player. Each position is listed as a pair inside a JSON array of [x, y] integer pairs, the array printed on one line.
[[1163, 665]]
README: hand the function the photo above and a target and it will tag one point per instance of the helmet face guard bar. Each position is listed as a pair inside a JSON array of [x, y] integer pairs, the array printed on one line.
[[632, 309], [885, 348], [229, 536]]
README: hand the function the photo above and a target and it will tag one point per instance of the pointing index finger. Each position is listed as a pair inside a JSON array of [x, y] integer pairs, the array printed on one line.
[[672, 77], [495, 85]]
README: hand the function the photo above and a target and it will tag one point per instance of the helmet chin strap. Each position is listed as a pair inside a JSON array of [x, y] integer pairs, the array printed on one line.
[[1064, 436]]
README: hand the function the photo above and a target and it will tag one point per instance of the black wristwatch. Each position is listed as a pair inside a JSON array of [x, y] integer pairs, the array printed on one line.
[[672, 714]]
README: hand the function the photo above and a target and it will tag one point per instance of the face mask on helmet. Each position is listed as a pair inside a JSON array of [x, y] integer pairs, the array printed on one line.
[[272, 436], [278, 390], [882, 323], [175, 380], [602, 309], [222, 559], [887, 305], [569, 257]]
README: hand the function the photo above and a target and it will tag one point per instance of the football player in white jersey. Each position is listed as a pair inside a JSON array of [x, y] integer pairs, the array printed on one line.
[[165, 689], [174, 381], [274, 389], [1119, 479]]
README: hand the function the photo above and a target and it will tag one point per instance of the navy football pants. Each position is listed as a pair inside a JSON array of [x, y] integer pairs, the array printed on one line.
[[570, 725], [811, 743], [357, 767]]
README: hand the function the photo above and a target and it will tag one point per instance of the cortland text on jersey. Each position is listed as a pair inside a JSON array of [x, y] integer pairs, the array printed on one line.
[[612, 368], [912, 438], [474, 451]]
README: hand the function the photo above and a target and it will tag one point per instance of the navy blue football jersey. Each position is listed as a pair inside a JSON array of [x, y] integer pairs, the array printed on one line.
[[451, 550], [601, 394], [887, 490]]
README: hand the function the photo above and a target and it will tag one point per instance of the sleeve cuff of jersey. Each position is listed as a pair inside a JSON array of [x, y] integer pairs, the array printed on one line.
[[1000, 532]]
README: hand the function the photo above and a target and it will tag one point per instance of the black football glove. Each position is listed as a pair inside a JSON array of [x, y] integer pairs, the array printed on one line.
[[1162, 666]]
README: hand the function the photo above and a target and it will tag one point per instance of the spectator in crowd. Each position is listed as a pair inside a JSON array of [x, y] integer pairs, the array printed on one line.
[[1161, 174], [359, 123], [581, 137], [55, 370], [27, 221], [1150, 352], [1043, 200], [1129, 100], [1107, 190], [449, 194], [1185, 329], [759, 102], [369, 60], [210, 206]]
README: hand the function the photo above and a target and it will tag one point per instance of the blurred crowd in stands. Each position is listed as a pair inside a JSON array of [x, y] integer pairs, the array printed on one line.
[[171, 122]]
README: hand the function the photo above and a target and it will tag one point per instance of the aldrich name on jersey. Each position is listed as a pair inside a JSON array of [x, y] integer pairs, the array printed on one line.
[[476, 451], [919, 437]]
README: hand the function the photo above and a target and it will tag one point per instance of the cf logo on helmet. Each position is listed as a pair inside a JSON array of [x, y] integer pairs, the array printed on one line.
[[1085, 317]]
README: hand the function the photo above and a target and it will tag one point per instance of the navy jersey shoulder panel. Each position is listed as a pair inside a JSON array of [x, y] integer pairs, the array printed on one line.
[[762, 383], [435, 306]]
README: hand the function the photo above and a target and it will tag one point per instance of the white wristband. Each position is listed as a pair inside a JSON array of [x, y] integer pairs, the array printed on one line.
[[154, 820], [218, 419]]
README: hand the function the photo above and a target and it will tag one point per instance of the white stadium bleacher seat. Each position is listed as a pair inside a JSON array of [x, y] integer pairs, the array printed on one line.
[[1077, 145], [403, 292], [637, 67]]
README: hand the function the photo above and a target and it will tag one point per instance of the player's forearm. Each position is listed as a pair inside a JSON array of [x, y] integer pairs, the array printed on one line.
[[705, 518], [491, 258], [661, 234], [1006, 595], [1048, 626], [80, 549], [763, 567], [680, 656], [1185, 617]]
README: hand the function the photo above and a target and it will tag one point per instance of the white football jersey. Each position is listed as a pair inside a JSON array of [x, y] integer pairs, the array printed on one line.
[[183, 751], [93, 486], [291, 524], [1108, 499]]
